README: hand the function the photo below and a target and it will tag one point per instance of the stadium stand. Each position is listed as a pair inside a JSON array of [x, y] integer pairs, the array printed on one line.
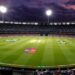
[[25, 71], [42, 29]]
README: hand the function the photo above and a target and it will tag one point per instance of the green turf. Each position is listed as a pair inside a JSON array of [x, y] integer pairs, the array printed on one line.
[[50, 51]]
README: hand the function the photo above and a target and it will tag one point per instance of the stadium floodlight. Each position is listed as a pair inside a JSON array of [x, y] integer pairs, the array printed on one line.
[[48, 13], [3, 9]]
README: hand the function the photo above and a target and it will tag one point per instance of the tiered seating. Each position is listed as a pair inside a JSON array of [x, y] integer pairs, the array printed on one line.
[[41, 29], [54, 71]]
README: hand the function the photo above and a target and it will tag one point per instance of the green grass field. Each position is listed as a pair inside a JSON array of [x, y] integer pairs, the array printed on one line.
[[50, 51]]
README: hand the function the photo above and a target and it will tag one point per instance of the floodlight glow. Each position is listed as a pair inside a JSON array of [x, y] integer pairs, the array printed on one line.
[[3, 9], [48, 12]]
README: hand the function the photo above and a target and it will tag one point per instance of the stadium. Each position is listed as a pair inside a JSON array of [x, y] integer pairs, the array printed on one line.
[[37, 37]]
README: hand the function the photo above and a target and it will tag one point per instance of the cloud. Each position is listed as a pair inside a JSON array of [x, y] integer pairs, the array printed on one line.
[[70, 4], [32, 3], [39, 3]]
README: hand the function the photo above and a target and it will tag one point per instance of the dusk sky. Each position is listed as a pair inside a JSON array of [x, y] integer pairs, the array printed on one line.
[[38, 3], [34, 3], [27, 8]]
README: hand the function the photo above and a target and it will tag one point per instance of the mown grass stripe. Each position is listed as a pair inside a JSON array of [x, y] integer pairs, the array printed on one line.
[[48, 58], [59, 56], [68, 54], [36, 59], [15, 51]]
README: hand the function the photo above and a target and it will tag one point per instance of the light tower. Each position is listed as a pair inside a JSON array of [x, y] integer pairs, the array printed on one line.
[[48, 13], [3, 10]]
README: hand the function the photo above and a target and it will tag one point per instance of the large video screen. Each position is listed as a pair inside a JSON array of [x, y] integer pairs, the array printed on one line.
[[34, 10]]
